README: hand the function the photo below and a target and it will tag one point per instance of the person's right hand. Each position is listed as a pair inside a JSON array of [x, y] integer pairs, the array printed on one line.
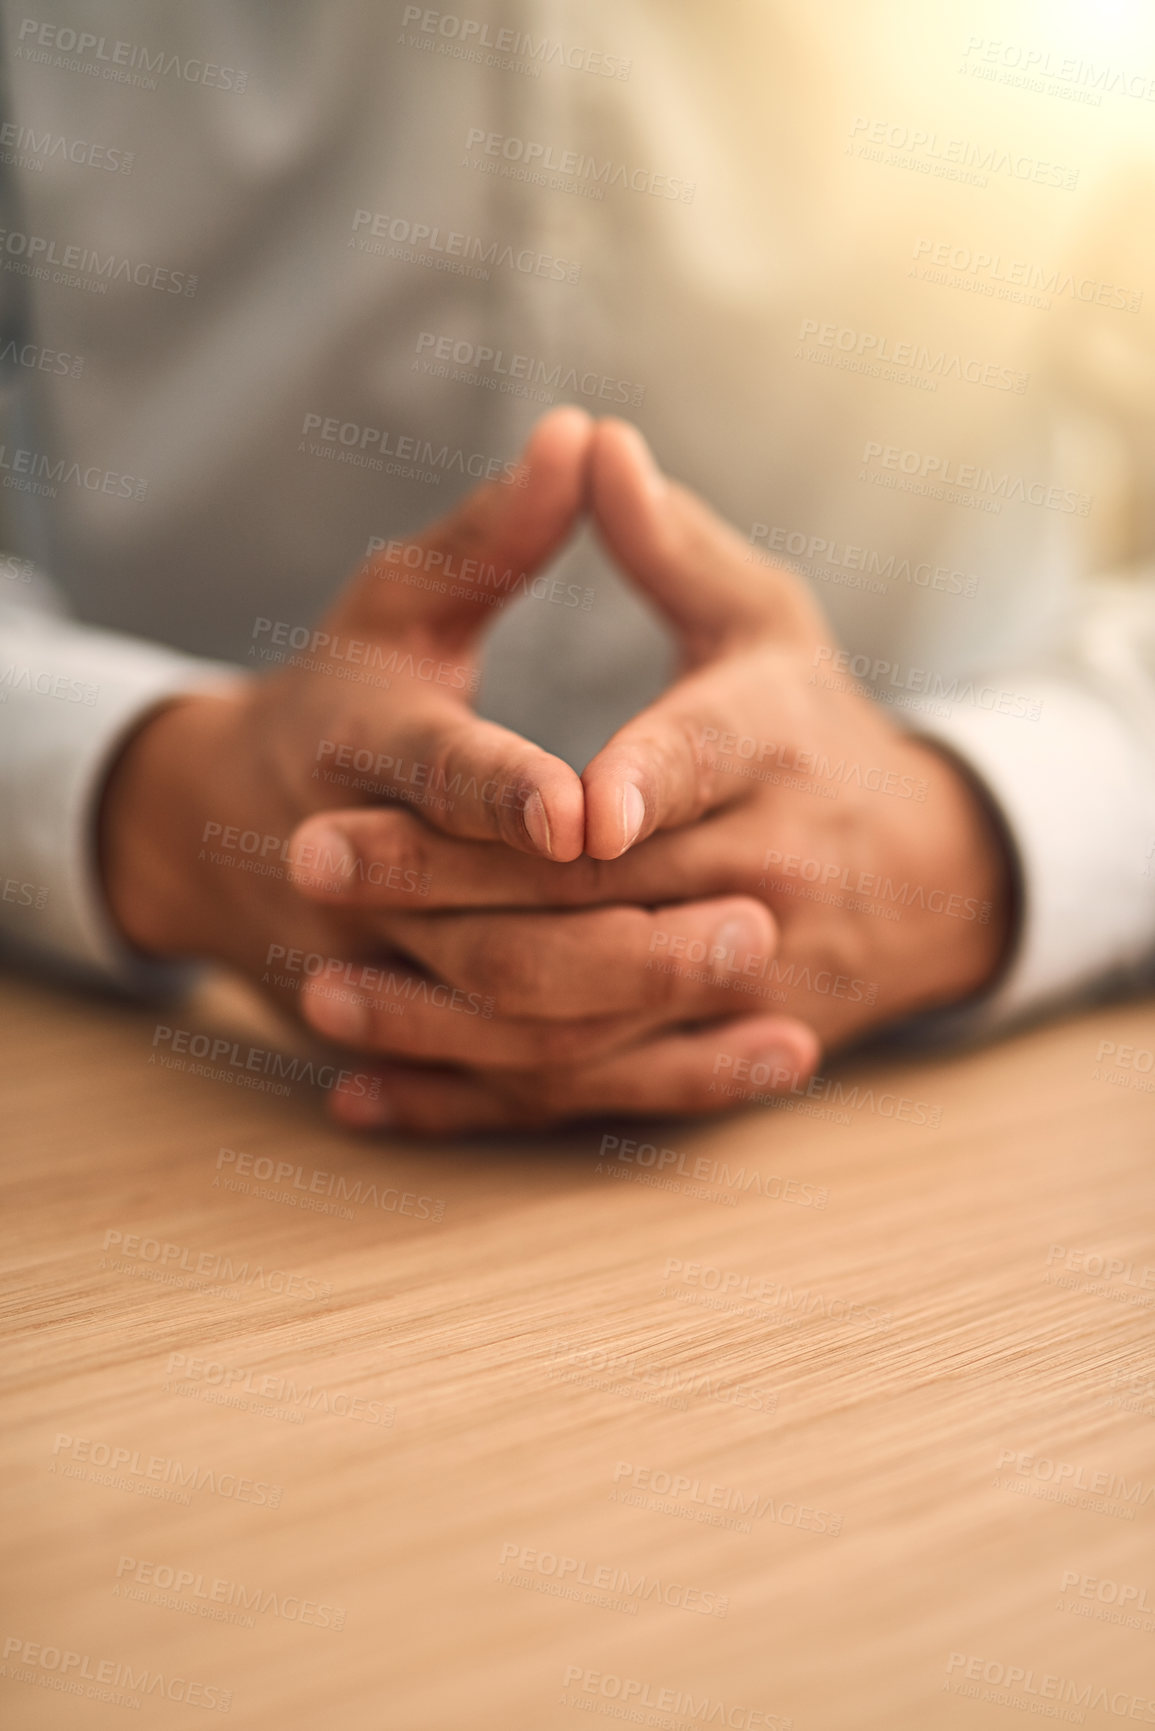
[[200, 807]]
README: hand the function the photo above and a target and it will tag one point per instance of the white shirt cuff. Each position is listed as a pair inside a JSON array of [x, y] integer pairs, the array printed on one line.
[[69, 697], [1076, 792]]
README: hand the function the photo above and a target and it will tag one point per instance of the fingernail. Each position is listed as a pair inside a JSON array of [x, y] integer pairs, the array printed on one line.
[[736, 938], [338, 1015], [651, 474], [327, 859], [537, 824], [367, 1111], [773, 1068], [633, 814]]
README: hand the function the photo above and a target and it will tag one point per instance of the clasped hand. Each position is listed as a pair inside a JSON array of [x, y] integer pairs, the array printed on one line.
[[758, 867]]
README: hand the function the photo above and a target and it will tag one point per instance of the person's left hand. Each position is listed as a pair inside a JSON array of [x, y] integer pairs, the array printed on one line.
[[759, 774]]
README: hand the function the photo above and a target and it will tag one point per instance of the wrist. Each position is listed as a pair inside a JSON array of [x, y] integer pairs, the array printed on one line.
[[155, 803], [971, 852]]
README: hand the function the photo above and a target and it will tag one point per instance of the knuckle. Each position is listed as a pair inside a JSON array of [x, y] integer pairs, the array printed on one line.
[[505, 967], [394, 1034], [662, 990], [749, 877], [696, 1098], [663, 977], [685, 753], [396, 843], [469, 528], [848, 948], [682, 1090], [680, 1079], [669, 760], [515, 785], [447, 769], [659, 758], [424, 1115], [610, 950], [583, 881], [539, 1097], [566, 1043]]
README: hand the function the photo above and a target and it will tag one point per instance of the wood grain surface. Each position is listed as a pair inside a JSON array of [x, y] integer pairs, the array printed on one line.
[[840, 1415]]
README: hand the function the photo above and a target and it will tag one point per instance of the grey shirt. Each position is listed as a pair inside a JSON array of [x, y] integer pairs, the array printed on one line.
[[289, 277]]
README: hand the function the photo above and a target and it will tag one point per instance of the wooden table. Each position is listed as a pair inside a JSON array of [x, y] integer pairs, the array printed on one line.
[[840, 1416]]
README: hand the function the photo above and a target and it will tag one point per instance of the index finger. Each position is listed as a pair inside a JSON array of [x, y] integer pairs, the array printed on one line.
[[663, 769], [381, 859], [468, 777], [440, 578]]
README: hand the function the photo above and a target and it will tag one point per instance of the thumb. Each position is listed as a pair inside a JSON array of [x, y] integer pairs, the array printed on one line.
[[691, 564], [453, 578]]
